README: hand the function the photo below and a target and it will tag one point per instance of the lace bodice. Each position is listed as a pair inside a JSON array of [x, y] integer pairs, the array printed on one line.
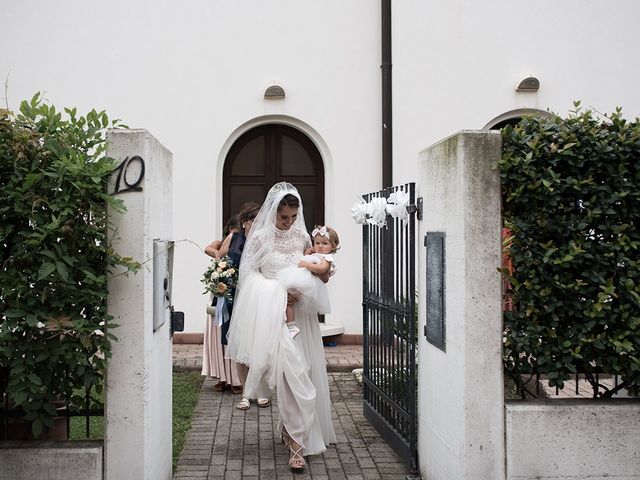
[[288, 248]]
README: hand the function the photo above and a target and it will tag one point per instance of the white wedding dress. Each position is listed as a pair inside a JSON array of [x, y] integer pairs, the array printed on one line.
[[258, 337]]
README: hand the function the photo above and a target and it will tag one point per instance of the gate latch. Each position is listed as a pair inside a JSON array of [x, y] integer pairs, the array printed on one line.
[[417, 208]]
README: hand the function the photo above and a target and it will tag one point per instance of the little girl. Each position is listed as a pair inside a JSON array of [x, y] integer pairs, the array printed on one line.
[[300, 280]]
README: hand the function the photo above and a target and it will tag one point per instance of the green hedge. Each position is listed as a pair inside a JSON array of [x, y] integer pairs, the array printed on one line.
[[54, 256], [571, 196]]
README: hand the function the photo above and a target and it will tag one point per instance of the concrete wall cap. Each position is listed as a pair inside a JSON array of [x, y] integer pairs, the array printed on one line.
[[463, 133]]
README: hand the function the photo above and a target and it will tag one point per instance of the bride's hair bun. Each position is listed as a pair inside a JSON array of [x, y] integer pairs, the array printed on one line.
[[290, 201]]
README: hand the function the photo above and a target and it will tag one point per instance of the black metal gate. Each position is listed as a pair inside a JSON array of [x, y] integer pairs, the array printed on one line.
[[390, 327]]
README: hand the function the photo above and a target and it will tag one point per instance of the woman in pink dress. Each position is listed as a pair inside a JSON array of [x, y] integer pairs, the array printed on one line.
[[214, 364], [229, 373]]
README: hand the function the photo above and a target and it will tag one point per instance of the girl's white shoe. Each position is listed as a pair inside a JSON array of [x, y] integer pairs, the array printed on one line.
[[243, 404]]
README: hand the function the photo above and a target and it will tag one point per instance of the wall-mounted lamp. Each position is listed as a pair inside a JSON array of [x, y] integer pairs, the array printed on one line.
[[529, 84], [274, 92]]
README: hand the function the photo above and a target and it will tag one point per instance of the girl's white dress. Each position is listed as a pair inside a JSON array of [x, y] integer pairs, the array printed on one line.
[[314, 294], [294, 368]]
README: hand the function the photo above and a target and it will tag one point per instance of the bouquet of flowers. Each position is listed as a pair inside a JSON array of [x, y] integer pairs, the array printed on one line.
[[220, 277]]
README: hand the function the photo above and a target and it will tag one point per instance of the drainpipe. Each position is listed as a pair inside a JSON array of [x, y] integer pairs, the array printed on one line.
[[388, 264], [387, 144]]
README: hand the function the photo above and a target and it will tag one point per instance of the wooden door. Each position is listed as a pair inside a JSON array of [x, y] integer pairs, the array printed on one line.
[[269, 154]]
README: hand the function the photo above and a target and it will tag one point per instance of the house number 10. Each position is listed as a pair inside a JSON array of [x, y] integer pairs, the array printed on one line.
[[129, 168]]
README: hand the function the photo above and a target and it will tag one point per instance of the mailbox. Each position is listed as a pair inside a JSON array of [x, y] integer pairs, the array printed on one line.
[[177, 321], [162, 280]]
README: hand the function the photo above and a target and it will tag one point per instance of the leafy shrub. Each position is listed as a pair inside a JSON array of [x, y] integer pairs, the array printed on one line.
[[54, 256], [571, 197]]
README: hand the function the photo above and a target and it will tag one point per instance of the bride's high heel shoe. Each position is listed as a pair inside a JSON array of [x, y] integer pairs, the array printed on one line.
[[296, 460], [285, 437]]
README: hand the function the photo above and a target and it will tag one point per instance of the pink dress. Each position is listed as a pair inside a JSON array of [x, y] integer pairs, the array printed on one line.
[[214, 363]]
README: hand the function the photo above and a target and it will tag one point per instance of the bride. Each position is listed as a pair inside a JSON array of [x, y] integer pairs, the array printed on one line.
[[259, 337]]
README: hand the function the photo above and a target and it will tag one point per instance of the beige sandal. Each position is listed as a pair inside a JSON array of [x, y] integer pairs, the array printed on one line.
[[296, 460], [243, 404], [263, 402]]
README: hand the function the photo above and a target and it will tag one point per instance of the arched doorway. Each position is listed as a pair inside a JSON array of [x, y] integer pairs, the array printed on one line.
[[512, 117], [268, 154]]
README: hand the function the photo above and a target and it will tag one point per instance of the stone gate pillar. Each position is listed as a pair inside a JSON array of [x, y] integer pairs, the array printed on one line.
[[138, 438], [460, 397]]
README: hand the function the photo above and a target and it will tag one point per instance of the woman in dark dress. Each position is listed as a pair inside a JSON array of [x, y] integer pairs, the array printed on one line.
[[234, 250]]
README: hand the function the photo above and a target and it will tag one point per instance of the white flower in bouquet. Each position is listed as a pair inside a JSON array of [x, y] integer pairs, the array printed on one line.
[[220, 278]]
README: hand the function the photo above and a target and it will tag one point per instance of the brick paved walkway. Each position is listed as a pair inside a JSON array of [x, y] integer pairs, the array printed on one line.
[[225, 443], [341, 358]]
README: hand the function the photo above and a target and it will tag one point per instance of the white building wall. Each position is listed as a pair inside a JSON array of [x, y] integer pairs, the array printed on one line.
[[193, 73], [456, 64]]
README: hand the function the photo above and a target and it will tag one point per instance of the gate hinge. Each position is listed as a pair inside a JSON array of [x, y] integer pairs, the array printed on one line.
[[417, 208]]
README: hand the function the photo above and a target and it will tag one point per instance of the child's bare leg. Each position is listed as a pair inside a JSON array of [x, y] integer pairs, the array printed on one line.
[[291, 316], [291, 320]]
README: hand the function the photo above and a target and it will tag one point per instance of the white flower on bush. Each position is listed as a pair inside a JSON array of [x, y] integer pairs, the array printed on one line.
[[98, 332], [40, 325]]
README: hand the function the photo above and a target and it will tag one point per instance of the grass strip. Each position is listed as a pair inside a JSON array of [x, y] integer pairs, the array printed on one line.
[[186, 389]]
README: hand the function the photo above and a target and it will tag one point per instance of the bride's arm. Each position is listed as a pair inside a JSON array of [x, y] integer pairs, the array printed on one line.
[[324, 276], [308, 246]]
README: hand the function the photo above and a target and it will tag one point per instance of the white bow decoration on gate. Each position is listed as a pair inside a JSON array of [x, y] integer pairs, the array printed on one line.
[[359, 212], [375, 212], [397, 207]]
